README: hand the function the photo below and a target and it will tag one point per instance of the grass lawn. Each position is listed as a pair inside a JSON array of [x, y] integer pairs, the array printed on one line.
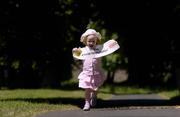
[[27, 103], [30, 102]]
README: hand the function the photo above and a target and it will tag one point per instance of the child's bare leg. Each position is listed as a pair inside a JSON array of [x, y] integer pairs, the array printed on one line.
[[94, 93], [87, 94]]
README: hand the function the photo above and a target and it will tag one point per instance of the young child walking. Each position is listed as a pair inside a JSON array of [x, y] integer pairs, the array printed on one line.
[[91, 77]]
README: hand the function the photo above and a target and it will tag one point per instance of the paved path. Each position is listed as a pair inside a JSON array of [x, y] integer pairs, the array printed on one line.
[[116, 113], [150, 105]]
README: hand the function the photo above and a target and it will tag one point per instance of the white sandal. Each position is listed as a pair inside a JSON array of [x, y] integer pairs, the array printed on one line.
[[86, 107]]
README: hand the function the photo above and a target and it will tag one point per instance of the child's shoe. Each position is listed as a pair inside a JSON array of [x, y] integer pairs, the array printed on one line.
[[86, 106]]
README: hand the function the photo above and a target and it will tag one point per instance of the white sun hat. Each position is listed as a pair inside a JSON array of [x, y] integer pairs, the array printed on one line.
[[90, 32]]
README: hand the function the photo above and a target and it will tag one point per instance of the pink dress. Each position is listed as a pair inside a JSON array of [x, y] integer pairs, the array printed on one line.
[[91, 76]]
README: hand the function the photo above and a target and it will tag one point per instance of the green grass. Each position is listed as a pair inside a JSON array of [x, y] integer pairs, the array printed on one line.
[[170, 93], [30, 102], [27, 103], [115, 89]]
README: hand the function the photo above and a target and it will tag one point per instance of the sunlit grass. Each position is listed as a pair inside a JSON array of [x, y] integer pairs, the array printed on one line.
[[26, 103], [170, 94], [38, 93], [114, 89], [28, 109]]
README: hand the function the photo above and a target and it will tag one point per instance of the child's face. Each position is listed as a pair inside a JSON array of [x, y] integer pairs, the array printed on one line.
[[91, 41]]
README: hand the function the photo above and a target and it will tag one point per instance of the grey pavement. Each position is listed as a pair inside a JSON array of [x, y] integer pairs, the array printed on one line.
[[149, 105], [170, 112]]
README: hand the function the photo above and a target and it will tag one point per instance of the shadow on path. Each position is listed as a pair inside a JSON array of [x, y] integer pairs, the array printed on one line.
[[136, 100]]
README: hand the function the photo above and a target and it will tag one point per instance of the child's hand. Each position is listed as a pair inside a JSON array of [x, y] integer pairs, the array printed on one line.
[[76, 51]]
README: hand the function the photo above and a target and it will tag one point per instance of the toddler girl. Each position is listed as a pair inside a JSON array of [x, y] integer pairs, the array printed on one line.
[[91, 77]]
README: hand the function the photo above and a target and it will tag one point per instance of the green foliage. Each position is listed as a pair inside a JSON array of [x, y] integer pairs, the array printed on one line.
[[34, 36], [111, 62], [15, 64]]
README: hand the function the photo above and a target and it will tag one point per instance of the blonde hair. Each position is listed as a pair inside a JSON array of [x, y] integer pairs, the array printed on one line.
[[88, 32]]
